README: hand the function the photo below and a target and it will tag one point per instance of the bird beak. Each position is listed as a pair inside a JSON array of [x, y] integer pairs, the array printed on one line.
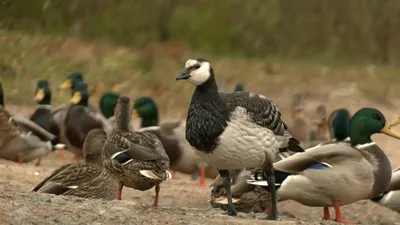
[[134, 115], [184, 75], [76, 98], [40, 95], [388, 131], [395, 122], [67, 84]]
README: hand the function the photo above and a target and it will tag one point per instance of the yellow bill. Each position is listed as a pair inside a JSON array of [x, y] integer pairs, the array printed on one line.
[[40, 95], [76, 98], [134, 115], [66, 85], [395, 122], [388, 131]]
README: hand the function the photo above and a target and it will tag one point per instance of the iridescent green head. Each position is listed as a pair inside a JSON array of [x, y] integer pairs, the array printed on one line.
[[81, 94], [239, 87], [73, 79], [43, 93], [146, 109], [108, 101], [366, 122], [341, 124], [1, 96]]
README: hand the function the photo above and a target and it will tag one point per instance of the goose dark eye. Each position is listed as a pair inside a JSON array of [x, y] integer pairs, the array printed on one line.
[[377, 117], [196, 66]]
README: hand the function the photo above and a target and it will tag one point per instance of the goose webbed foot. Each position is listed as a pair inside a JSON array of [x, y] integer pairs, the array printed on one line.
[[268, 174], [227, 183]]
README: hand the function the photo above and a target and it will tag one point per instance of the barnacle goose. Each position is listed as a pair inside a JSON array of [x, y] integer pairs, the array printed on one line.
[[234, 130]]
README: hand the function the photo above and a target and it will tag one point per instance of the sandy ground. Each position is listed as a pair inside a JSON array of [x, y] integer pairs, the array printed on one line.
[[182, 202]]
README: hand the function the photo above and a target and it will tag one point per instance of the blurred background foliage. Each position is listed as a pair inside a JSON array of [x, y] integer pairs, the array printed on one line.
[[341, 30]]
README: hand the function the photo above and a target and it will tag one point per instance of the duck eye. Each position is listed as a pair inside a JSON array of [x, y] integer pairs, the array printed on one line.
[[197, 66], [376, 116]]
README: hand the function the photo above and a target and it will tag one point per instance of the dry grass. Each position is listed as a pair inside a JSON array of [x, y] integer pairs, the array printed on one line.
[[151, 71]]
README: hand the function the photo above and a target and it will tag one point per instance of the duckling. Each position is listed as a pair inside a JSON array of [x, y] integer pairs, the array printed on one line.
[[134, 159], [17, 145], [299, 128], [181, 155], [79, 120], [391, 197], [336, 174], [85, 179]]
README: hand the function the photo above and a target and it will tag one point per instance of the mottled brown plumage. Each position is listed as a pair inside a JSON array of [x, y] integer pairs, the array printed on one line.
[[134, 159], [85, 179]]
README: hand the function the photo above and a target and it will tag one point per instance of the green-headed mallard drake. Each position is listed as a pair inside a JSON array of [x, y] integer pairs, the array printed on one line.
[[107, 104], [85, 179], [239, 87], [71, 81], [339, 124], [339, 173], [181, 155], [17, 145], [79, 120], [134, 159], [391, 197], [299, 127]]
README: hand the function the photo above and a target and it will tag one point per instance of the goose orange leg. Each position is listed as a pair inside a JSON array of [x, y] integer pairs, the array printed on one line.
[[155, 203], [20, 160], [338, 214], [202, 181], [120, 186], [39, 162], [327, 215]]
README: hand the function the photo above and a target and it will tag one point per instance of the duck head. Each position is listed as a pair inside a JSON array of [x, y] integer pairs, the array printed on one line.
[[146, 109], [239, 87], [366, 122], [43, 93], [71, 81], [108, 101], [341, 124], [81, 94]]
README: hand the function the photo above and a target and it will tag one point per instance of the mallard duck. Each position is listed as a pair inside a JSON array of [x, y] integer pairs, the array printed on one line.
[[107, 104], [217, 123], [79, 120], [181, 155], [299, 127], [339, 125], [71, 81], [17, 145], [319, 130], [134, 159], [239, 87], [339, 173], [391, 197], [246, 197], [85, 179]]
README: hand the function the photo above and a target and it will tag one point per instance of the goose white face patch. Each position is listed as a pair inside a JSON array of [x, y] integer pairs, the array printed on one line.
[[200, 75]]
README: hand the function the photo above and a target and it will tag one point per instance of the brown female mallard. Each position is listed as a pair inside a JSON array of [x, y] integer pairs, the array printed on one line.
[[85, 179], [134, 159]]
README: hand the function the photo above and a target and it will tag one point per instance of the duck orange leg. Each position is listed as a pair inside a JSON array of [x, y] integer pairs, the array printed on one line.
[[327, 215], [155, 203], [77, 158], [267, 211], [39, 162], [20, 160], [61, 154], [338, 214], [120, 186], [202, 181], [173, 175]]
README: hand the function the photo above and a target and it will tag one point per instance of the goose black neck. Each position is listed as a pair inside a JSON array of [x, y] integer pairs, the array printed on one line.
[[207, 91]]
